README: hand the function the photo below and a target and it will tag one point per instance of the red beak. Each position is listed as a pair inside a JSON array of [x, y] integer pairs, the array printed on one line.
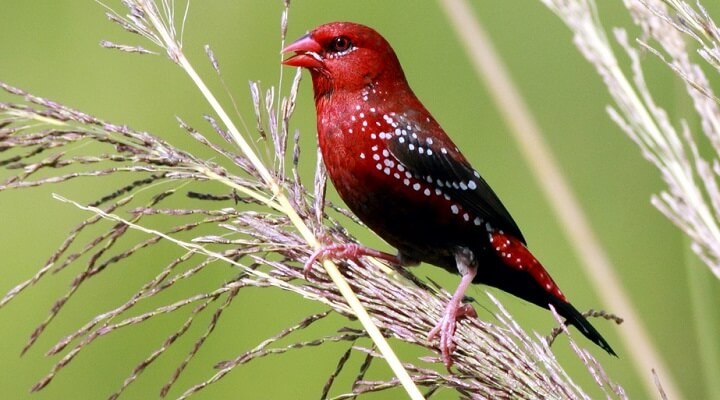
[[307, 53]]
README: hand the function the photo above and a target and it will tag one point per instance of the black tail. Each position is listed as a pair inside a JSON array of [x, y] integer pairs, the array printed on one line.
[[573, 317], [523, 285]]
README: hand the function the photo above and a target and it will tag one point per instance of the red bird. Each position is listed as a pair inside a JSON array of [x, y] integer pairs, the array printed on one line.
[[399, 172]]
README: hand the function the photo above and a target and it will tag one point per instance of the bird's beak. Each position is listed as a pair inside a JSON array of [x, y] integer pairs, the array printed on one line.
[[307, 53]]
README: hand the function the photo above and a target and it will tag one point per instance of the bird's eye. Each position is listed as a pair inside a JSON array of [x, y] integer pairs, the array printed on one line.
[[340, 44]]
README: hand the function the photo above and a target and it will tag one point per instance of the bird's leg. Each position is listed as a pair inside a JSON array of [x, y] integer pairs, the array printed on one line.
[[467, 266], [347, 250]]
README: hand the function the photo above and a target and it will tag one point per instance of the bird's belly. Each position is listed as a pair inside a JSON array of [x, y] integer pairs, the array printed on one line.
[[407, 212]]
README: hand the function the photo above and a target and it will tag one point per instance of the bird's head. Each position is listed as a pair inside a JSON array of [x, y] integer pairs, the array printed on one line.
[[345, 56]]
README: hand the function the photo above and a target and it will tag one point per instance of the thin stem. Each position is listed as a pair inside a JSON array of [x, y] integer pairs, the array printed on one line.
[[285, 206]]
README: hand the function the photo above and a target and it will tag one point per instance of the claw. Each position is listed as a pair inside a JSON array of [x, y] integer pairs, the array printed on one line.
[[351, 251], [446, 329]]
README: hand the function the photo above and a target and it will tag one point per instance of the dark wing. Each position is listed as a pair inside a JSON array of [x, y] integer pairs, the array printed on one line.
[[435, 159]]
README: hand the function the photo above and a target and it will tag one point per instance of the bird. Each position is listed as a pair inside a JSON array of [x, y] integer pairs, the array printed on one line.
[[399, 172]]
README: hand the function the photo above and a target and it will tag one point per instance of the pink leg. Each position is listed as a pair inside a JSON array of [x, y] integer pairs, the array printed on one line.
[[345, 251], [454, 311]]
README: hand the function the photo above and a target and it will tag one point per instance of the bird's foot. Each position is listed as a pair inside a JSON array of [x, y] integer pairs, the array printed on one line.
[[454, 312], [346, 251], [455, 309]]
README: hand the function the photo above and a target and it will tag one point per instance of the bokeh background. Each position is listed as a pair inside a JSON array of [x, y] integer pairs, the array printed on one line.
[[51, 48]]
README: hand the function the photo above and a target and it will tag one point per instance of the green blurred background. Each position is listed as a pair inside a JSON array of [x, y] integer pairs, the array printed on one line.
[[50, 48]]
